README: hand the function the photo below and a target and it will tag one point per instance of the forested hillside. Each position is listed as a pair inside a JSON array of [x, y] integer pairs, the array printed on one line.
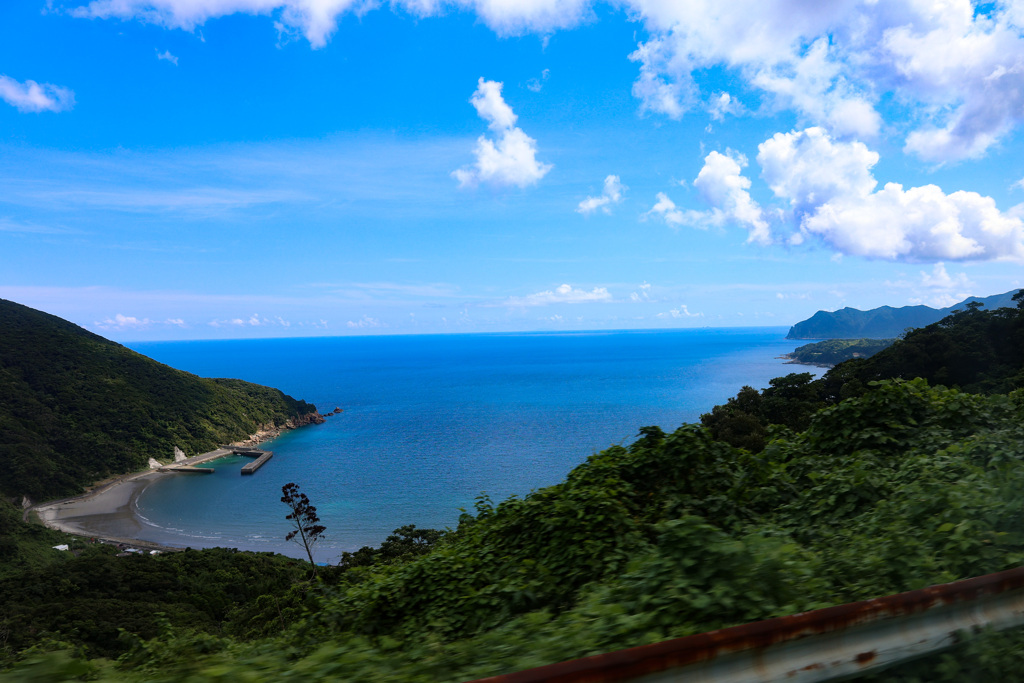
[[972, 349], [834, 351], [75, 407], [856, 488]]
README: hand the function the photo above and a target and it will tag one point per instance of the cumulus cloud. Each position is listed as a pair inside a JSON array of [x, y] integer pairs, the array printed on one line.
[[612, 194], [510, 159], [722, 185], [955, 65], [831, 192], [35, 97], [563, 294]]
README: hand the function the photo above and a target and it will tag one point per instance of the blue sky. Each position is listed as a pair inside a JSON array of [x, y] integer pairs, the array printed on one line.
[[186, 169]]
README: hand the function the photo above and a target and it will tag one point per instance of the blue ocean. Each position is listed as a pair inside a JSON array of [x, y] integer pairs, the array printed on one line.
[[432, 422]]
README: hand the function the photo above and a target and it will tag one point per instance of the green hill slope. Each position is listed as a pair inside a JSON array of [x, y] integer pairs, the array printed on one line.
[[75, 407]]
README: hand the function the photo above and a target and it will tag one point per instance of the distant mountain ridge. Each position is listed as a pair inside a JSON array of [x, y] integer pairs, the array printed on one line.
[[884, 322]]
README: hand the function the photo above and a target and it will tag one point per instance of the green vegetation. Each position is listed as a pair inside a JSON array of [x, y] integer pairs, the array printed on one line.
[[75, 407], [972, 349], [838, 489], [834, 351], [884, 322]]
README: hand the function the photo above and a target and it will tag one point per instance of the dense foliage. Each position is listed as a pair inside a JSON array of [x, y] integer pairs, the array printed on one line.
[[884, 322], [972, 349], [855, 488], [834, 351], [75, 407]]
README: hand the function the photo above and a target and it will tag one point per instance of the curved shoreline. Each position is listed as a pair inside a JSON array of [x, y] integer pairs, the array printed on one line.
[[107, 512]]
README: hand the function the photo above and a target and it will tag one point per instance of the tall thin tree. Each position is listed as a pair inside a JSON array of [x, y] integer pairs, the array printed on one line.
[[303, 515]]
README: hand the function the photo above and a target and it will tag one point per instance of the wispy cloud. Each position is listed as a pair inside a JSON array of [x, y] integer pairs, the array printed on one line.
[[563, 294], [127, 322], [679, 312], [35, 97], [535, 84], [167, 57], [8, 225], [667, 210], [364, 323], [612, 194], [254, 320]]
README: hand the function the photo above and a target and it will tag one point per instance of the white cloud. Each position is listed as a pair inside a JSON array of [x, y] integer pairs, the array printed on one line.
[[662, 87], [364, 322], [809, 169], [642, 294], [811, 84], [666, 209], [723, 186], [563, 294], [128, 322], [937, 288], [535, 84], [35, 97], [679, 312], [316, 19], [722, 104], [612, 194], [254, 320], [167, 57], [512, 158], [957, 66], [830, 189]]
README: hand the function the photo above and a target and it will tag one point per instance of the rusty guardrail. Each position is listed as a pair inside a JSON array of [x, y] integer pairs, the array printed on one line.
[[820, 645]]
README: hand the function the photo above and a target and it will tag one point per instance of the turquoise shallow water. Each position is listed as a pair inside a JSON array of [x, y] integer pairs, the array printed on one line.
[[430, 422]]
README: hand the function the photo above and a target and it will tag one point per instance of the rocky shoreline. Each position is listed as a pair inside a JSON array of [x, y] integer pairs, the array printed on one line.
[[271, 431]]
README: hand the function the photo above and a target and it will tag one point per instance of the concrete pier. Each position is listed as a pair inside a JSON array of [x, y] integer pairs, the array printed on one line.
[[258, 462]]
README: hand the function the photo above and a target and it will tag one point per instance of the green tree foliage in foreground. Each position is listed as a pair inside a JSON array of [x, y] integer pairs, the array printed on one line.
[[75, 407], [905, 486]]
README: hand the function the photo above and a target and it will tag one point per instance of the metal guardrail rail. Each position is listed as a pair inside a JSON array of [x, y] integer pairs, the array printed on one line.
[[821, 645]]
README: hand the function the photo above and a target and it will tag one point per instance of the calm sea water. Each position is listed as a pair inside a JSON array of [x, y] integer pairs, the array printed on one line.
[[431, 422]]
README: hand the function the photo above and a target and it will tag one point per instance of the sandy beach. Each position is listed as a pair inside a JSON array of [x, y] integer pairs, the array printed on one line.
[[108, 511]]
